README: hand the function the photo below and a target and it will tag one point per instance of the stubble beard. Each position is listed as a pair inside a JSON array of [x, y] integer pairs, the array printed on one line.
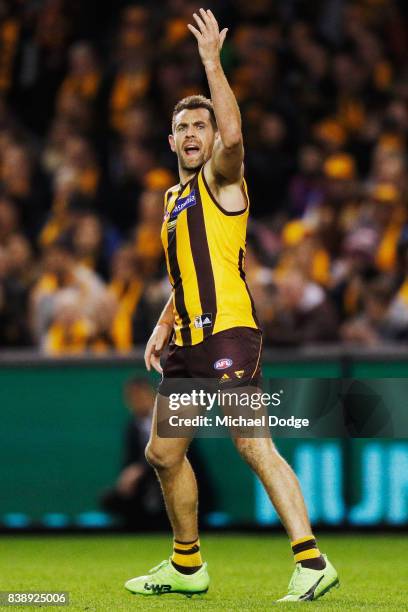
[[189, 166]]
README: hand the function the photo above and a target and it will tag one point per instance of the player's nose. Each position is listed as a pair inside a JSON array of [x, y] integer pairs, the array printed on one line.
[[190, 131]]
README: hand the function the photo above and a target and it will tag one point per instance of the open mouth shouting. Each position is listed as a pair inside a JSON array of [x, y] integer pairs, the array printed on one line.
[[191, 149]]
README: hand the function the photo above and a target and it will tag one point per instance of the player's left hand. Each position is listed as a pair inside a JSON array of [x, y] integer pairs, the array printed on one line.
[[208, 35]]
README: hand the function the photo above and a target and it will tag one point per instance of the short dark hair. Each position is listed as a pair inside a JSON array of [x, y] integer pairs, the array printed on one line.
[[191, 102]]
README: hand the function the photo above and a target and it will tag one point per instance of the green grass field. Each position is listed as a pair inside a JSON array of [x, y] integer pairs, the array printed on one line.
[[248, 572]]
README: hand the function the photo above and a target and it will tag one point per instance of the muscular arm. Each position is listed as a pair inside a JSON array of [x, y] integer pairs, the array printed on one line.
[[228, 152], [225, 167]]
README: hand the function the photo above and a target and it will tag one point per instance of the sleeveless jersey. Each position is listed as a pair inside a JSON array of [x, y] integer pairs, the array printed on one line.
[[204, 247]]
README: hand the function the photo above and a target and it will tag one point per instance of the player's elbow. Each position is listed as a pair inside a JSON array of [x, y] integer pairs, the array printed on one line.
[[233, 141]]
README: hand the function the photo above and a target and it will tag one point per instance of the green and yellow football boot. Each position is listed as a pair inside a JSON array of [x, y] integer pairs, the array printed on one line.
[[309, 584], [164, 578]]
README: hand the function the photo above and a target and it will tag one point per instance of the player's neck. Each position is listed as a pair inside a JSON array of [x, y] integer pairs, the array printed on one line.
[[186, 175]]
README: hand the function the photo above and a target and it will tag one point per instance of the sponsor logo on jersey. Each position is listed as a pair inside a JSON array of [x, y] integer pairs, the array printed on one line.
[[203, 320], [183, 203], [224, 378], [239, 373], [223, 364]]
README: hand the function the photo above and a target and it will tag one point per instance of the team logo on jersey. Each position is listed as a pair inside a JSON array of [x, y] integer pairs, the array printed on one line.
[[203, 320], [183, 203], [223, 364]]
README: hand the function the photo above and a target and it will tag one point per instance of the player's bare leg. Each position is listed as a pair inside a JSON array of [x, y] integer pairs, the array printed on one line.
[[314, 575], [177, 479], [184, 572], [280, 483]]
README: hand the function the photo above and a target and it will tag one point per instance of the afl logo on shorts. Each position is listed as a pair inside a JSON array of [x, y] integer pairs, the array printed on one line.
[[223, 364]]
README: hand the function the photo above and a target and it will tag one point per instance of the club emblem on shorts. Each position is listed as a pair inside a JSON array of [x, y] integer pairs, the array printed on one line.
[[239, 373], [203, 320], [223, 364]]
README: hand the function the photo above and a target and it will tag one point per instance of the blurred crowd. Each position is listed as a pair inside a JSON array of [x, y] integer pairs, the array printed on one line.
[[86, 95]]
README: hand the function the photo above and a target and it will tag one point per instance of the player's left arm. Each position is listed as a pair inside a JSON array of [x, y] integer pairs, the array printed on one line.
[[226, 164]]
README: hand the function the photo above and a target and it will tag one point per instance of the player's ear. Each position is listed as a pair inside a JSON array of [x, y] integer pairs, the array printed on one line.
[[172, 143]]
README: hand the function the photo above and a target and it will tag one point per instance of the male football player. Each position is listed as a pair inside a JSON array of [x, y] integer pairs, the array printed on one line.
[[212, 319]]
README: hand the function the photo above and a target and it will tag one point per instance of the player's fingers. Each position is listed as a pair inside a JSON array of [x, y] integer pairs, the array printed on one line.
[[205, 17], [147, 361], [223, 34], [147, 356], [200, 23], [213, 20], [155, 361], [194, 31], [150, 348]]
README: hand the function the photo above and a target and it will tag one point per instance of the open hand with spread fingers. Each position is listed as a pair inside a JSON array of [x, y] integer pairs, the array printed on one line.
[[208, 35]]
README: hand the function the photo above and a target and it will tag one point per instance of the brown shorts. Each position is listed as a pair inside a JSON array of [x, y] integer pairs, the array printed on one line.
[[231, 357]]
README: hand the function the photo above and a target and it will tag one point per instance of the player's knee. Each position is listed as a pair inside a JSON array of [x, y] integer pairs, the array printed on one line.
[[154, 457], [160, 459]]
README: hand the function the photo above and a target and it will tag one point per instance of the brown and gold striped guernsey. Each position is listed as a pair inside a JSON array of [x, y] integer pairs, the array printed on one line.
[[205, 250]]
